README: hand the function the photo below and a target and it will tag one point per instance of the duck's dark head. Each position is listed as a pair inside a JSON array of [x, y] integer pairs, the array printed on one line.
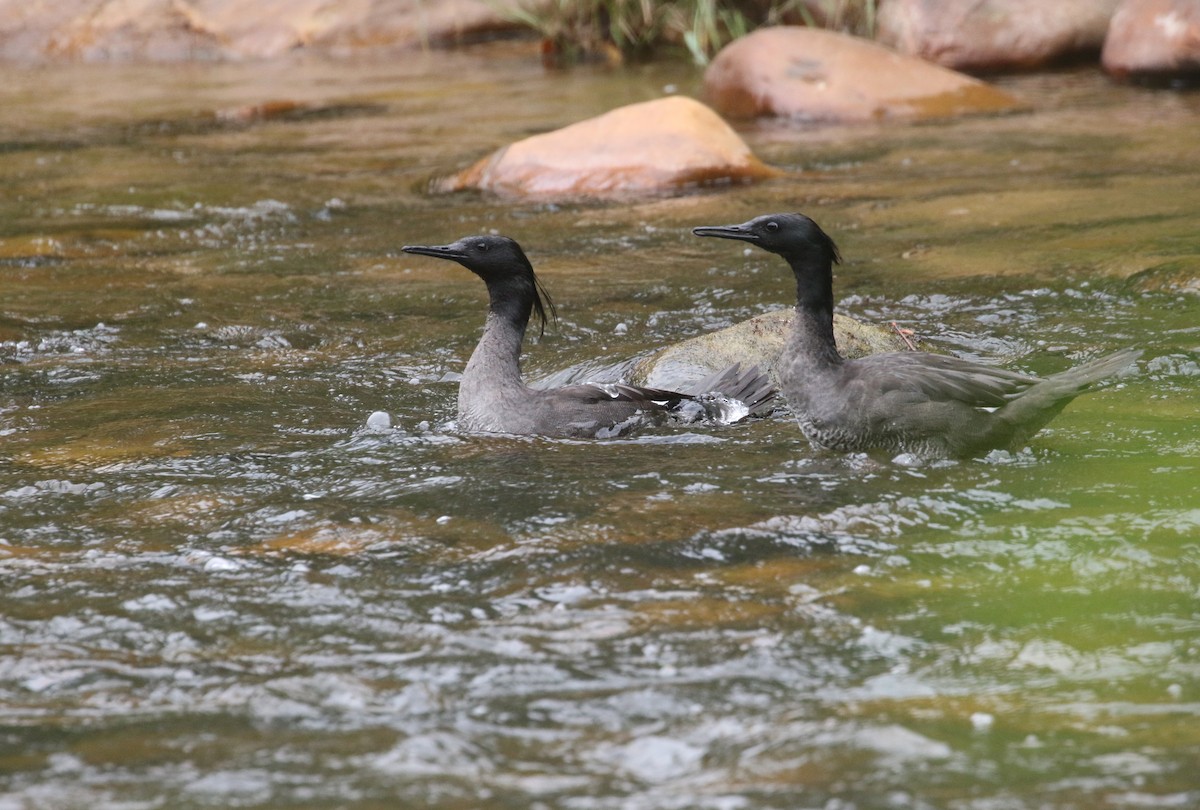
[[792, 236], [502, 265], [806, 248]]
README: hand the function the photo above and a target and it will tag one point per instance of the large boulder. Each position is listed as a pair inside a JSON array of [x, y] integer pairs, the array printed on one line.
[[651, 147], [825, 76], [1154, 40], [93, 30], [179, 30], [994, 35], [758, 340]]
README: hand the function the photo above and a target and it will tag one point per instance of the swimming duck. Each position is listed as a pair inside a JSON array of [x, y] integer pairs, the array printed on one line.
[[924, 404], [494, 398]]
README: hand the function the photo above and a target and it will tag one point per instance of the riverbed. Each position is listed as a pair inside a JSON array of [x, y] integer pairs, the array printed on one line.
[[221, 588]]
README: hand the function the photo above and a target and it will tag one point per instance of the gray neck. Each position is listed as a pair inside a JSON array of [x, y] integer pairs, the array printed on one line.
[[495, 365], [811, 346]]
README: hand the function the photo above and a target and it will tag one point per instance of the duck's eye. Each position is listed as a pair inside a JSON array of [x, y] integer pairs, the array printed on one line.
[[772, 226]]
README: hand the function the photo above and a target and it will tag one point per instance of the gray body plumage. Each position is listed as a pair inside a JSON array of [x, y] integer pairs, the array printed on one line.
[[900, 402], [929, 405], [493, 397]]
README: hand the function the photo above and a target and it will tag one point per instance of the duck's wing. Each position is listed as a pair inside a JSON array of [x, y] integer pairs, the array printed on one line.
[[595, 393], [939, 378], [747, 384]]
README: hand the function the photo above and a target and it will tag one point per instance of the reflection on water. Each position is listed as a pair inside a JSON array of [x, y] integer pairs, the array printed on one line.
[[222, 587]]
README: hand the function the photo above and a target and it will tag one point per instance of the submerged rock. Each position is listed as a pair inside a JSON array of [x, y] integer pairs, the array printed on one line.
[[994, 34], [654, 146], [1155, 41], [758, 340], [825, 76], [1180, 275]]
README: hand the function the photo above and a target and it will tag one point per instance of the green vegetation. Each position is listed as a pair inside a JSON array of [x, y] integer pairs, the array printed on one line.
[[613, 30]]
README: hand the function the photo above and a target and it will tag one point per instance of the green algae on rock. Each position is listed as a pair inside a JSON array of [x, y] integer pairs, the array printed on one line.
[[757, 340]]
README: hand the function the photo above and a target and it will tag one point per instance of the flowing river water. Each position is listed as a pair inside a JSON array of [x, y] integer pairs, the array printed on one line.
[[220, 588]]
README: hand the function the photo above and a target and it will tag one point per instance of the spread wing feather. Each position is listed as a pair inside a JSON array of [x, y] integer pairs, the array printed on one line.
[[942, 378], [592, 393]]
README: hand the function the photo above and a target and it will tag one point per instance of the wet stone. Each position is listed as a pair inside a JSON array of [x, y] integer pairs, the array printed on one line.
[[817, 75], [994, 34], [1177, 276], [172, 31], [653, 147], [757, 340], [1155, 41]]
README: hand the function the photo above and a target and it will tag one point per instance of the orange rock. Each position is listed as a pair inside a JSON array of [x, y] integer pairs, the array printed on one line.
[[92, 31], [650, 147], [825, 76], [1156, 40], [991, 35], [181, 30], [408, 23]]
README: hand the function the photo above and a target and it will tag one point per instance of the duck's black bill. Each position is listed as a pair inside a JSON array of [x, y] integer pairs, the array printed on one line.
[[738, 232], [436, 251]]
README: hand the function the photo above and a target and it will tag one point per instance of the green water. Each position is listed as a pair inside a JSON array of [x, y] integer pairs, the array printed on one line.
[[221, 590]]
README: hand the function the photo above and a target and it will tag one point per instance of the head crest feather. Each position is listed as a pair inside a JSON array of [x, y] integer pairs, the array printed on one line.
[[542, 304]]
